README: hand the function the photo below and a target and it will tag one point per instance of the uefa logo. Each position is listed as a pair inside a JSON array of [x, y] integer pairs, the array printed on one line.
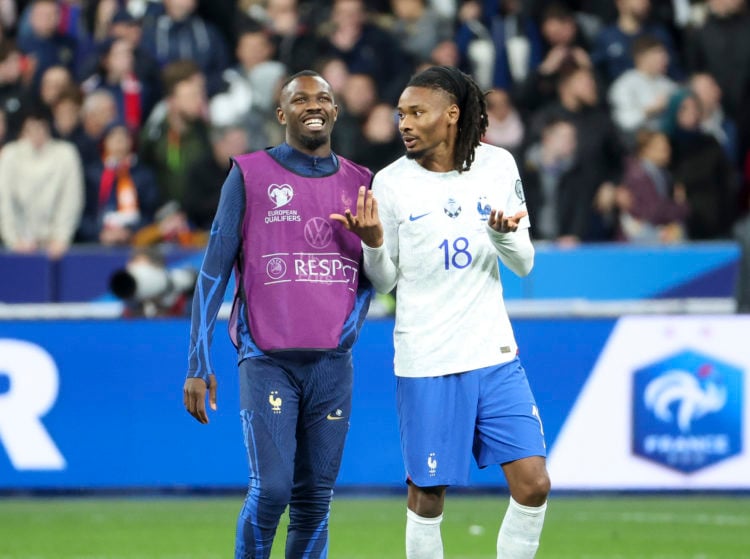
[[276, 268], [280, 194], [687, 411]]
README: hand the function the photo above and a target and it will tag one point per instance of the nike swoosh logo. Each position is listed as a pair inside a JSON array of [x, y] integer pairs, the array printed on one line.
[[332, 417], [416, 217]]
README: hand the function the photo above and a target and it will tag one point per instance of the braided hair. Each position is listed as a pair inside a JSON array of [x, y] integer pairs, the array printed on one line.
[[472, 118]]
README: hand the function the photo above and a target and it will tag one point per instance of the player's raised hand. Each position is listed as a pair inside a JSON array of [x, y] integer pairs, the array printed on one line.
[[194, 397], [366, 222], [503, 224]]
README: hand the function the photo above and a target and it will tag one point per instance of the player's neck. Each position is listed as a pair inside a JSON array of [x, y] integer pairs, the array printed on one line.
[[439, 160]]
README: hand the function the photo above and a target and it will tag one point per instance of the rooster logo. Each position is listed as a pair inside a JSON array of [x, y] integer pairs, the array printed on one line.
[[680, 396], [432, 463], [275, 401]]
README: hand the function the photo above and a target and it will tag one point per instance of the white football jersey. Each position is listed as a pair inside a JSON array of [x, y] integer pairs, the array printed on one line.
[[450, 314]]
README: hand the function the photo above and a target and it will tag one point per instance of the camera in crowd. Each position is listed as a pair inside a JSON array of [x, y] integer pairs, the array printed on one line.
[[149, 289]]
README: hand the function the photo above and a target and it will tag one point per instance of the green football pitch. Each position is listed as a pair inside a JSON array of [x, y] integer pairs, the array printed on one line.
[[577, 527]]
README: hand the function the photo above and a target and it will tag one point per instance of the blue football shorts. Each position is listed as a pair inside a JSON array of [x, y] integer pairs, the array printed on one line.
[[489, 412]]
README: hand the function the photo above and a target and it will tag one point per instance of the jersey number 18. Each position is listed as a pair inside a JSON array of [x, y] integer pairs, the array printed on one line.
[[456, 254]]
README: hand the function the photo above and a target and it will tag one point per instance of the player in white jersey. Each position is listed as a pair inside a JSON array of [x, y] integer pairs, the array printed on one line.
[[433, 227]]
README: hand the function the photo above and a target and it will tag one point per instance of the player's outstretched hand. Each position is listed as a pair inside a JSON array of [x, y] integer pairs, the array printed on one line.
[[194, 397], [503, 224], [366, 222]]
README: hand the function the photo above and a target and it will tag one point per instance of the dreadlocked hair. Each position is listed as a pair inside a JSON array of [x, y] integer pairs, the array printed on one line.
[[472, 117]]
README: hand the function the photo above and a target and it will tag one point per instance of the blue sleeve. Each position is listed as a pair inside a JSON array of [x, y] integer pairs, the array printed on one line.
[[218, 263]]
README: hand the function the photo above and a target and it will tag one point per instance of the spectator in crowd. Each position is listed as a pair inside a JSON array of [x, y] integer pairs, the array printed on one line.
[[44, 44], [565, 47], [551, 173], [334, 71], [129, 28], [14, 87], [251, 88], [699, 162], [504, 127], [381, 143], [53, 82], [418, 28], [180, 34], [613, 48], [639, 96], [177, 137], [100, 15], [297, 46], [721, 48], [98, 111], [121, 192], [41, 189], [715, 120], [655, 209], [66, 117], [116, 74], [366, 48], [515, 39], [208, 173], [599, 146], [358, 98]]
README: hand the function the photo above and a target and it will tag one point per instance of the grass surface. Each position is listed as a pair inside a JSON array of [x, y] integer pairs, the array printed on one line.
[[651, 527]]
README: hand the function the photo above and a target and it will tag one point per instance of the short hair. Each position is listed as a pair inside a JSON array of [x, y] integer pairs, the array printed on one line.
[[7, 47], [472, 106], [301, 74], [557, 10], [72, 93], [644, 43], [37, 110], [177, 72]]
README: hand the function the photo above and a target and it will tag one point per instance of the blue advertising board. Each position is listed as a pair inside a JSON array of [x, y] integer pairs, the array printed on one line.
[[592, 271], [98, 405]]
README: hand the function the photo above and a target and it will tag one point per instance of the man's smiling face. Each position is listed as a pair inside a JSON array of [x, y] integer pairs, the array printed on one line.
[[308, 111]]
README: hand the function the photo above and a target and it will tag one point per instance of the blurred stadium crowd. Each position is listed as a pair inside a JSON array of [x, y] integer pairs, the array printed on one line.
[[629, 119]]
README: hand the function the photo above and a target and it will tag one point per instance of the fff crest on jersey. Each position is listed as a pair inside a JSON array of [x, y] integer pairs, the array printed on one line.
[[280, 194], [451, 208], [687, 411], [483, 208]]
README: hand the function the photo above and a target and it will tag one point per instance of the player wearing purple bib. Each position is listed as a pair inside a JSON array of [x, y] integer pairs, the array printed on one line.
[[299, 303], [433, 228]]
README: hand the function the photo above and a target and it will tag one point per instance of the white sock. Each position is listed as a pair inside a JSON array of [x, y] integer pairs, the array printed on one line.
[[423, 540], [519, 533]]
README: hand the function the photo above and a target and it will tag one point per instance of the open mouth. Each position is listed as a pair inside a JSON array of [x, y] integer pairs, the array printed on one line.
[[409, 141], [314, 123]]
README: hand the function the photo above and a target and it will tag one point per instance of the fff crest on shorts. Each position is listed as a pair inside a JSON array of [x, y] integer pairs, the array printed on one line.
[[687, 411], [452, 208]]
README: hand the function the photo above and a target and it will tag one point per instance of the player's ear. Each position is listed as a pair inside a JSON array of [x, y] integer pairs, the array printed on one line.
[[453, 113], [280, 116]]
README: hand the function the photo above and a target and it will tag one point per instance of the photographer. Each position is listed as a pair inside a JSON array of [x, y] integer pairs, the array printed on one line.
[[148, 289]]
